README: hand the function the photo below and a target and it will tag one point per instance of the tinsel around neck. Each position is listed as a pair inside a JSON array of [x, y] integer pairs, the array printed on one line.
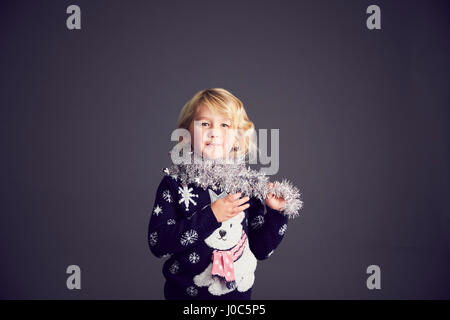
[[233, 176]]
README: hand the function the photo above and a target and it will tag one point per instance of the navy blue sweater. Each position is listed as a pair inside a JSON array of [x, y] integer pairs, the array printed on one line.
[[181, 222]]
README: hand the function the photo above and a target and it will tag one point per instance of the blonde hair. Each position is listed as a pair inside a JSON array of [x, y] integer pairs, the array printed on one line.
[[224, 102]]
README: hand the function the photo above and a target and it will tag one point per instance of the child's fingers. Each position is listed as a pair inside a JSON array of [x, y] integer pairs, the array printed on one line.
[[241, 208], [233, 197], [238, 202], [230, 197], [270, 194]]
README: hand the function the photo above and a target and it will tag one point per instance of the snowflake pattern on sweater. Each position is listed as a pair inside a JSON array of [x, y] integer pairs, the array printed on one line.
[[183, 227]]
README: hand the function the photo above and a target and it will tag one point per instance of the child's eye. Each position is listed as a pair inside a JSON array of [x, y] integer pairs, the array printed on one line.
[[204, 124], [225, 125]]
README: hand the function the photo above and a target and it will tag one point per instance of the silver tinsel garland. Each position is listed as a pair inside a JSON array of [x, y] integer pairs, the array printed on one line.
[[233, 177]]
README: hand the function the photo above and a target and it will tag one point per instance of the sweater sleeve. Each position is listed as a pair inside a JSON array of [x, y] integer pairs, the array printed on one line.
[[169, 233], [265, 230]]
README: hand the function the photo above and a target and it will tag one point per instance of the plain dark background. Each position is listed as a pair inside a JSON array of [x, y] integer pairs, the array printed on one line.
[[86, 118]]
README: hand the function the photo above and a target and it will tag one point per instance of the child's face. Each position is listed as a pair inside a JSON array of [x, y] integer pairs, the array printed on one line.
[[211, 134]]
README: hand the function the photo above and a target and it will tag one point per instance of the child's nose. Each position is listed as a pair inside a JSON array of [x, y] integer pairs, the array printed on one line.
[[213, 133]]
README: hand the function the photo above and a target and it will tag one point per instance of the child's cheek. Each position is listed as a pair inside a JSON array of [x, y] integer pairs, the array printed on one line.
[[198, 139], [227, 145], [230, 140]]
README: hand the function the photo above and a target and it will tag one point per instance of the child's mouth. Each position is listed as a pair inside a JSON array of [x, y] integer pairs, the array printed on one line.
[[213, 145]]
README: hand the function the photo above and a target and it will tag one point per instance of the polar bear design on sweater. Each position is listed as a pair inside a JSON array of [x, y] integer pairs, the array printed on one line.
[[227, 237]]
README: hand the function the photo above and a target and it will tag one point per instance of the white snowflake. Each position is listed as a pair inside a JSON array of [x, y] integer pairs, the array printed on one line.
[[174, 267], [192, 291], [153, 238], [166, 171], [282, 230], [257, 222], [174, 176], [189, 237], [171, 222], [194, 257], [186, 196], [270, 253], [157, 210], [167, 196]]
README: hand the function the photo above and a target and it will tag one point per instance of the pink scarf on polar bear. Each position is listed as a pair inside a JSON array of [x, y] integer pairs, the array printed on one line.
[[223, 261]]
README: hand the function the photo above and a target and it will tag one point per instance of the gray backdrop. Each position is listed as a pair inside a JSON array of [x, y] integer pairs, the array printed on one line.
[[86, 118]]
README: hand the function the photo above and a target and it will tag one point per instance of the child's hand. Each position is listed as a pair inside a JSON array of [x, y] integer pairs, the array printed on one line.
[[273, 202], [229, 206]]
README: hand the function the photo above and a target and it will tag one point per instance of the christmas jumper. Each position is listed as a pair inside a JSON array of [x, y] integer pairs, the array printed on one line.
[[208, 259]]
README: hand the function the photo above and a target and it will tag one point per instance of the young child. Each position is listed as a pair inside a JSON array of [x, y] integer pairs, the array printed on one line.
[[212, 217]]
